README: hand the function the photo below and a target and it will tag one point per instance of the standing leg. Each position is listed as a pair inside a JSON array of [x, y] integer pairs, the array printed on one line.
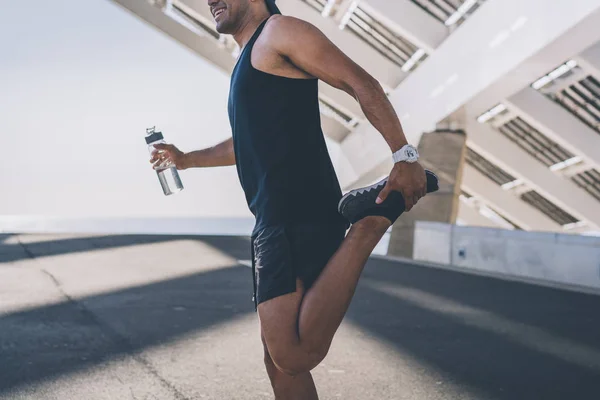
[[298, 329], [287, 387]]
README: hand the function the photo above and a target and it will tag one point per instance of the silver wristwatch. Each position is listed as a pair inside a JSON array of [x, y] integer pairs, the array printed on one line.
[[408, 154]]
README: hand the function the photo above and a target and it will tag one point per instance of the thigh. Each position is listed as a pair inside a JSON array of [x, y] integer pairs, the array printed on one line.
[[279, 321]]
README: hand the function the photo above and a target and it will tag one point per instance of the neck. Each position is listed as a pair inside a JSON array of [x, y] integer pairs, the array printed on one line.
[[247, 28]]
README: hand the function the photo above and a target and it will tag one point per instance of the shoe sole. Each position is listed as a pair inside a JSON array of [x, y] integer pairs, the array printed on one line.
[[373, 186]]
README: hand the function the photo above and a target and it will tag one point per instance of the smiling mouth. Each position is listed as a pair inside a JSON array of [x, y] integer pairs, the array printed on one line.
[[219, 12]]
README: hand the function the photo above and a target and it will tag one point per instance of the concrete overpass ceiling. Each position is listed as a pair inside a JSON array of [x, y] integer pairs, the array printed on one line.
[[553, 211], [200, 7], [574, 87], [476, 67], [519, 188], [575, 90], [582, 99], [484, 192], [388, 42], [509, 183], [389, 39], [517, 76], [487, 215], [408, 20], [534, 142], [551, 154], [451, 13], [487, 168]]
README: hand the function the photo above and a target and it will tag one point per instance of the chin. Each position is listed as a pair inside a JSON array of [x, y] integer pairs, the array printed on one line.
[[223, 27]]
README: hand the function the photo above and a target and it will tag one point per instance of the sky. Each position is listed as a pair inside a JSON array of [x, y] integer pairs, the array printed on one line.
[[79, 83]]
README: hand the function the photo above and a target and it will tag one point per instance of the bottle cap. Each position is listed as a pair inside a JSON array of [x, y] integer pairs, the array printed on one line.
[[152, 136]]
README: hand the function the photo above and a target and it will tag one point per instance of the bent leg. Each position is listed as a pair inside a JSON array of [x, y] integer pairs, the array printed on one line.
[[325, 304], [299, 327]]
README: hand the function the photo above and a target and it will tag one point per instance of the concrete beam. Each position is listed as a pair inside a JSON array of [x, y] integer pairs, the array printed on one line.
[[471, 216], [565, 82], [589, 60], [503, 47], [574, 41], [501, 151], [202, 44], [521, 213], [201, 7], [576, 169], [557, 124], [410, 21], [495, 40]]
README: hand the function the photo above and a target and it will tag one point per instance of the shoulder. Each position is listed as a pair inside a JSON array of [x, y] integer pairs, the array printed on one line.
[[283, 29], [282, 23]]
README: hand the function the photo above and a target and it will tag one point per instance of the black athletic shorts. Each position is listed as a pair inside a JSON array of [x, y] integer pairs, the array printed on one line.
[[280, 254]]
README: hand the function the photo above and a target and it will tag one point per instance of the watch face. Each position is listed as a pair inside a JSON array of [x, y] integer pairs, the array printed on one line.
[[408, 154], [411, 153]]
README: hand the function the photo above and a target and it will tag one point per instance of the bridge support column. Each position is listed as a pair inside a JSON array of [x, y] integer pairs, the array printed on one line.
[[443, 152]]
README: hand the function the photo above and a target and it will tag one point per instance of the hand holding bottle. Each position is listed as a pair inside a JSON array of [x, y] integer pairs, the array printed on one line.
[[164, 159], [166, 155]]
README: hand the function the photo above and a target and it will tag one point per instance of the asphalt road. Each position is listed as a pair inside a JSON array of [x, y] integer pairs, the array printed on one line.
[[149, 317]]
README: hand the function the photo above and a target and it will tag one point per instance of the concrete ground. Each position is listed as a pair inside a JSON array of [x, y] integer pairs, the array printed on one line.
[[149, 317]]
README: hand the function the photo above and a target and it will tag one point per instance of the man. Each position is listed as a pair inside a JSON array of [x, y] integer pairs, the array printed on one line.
[[305, 268]]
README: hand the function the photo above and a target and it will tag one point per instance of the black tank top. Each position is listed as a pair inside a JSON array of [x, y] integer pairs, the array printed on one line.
[[281, 156]]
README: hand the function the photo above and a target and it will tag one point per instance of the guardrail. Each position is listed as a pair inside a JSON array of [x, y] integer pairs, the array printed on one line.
[[572, 260]]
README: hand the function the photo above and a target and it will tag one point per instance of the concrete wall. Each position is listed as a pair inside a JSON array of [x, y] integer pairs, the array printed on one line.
[[548, 257], [433, 242]]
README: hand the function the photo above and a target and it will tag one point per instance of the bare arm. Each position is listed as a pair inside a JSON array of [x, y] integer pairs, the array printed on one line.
[[220, 155], [308, 49], [311, 51]]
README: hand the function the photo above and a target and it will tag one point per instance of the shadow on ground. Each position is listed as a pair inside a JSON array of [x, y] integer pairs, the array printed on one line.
[[59, 339], [3, 237], [233, 246], [501, 340]]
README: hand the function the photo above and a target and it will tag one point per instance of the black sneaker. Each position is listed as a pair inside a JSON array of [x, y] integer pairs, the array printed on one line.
[[360, 203]]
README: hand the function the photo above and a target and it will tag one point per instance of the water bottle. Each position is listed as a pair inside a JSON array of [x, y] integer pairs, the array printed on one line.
[[167, 172]]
